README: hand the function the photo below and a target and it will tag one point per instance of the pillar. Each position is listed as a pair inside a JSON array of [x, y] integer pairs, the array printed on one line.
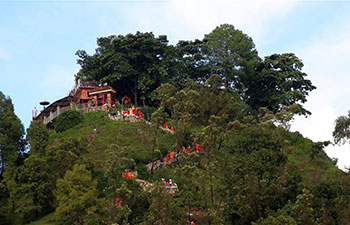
[[109, 98], [58, 110]]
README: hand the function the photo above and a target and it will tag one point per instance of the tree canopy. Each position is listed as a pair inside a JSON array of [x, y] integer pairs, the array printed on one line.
[[138, 63], [133, 63], [341, 132], [231, 54], [11, 133]]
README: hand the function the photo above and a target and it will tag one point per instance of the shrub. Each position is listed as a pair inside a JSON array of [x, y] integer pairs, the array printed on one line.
[[147, 111], [67, 120]]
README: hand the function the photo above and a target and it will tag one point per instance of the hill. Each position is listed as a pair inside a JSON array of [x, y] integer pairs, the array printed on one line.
[[305, 166], [229, 157]]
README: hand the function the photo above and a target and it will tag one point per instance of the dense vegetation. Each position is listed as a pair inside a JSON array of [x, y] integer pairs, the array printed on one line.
[[215, 92]]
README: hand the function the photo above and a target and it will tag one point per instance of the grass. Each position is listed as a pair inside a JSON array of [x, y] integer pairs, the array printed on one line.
[[312, 160], [132, 137]]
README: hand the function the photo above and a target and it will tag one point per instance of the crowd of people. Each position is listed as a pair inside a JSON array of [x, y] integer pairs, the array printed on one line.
[[129, 175], [174, 154], [133, 111], [168, 183]]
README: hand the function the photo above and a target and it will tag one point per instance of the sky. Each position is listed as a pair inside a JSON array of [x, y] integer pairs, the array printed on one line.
[[38, 41]]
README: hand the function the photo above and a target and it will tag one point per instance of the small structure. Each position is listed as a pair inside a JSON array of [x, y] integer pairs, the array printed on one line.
[[44, 103], [88, 91]]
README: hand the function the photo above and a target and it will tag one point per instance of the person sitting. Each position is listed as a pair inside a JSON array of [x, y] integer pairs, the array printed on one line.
[[167, 157], [161, 158]]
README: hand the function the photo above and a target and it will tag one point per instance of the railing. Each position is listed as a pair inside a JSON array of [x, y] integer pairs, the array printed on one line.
[[84, 107]]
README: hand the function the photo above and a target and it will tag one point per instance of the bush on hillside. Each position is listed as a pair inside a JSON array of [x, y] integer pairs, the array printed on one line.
[[67, 120], [147, 111]]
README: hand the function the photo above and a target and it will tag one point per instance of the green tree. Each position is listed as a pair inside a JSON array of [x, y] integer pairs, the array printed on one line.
[[118, 161], [182, 105], [231, 54], [134, 63], [150, 133], [341, 133], [278, 82], [38, 137], [76, 196], [123, 211], [68, 119], [31, 188], [214, 101], [64, 154], [11, 133], [257, 178], [163, 209], [276, 220], [302, 210], [188, 61]]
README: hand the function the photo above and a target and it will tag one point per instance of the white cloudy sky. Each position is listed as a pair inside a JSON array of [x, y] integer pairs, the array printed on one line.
[[38, 41]]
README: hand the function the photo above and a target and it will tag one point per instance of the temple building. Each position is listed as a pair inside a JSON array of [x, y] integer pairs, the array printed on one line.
[[85, 96]]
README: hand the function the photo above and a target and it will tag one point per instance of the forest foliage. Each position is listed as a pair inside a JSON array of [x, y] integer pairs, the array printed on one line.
[[216, 93]]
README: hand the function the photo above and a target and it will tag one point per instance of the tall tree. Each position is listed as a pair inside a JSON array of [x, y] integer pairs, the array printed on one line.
[[341, 132], [11, 133], [278, 82], [188, 62], [37, 136], [31, 188], [182, 105], [133, 62], [231, 54], [77, 196]]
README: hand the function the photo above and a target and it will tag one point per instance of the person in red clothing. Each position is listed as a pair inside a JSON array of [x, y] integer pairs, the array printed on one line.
[[198, 147], [168, 157], [193, 223], [117, 202], [189, 149], [184, 150], [166, 125], [140, 114]]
